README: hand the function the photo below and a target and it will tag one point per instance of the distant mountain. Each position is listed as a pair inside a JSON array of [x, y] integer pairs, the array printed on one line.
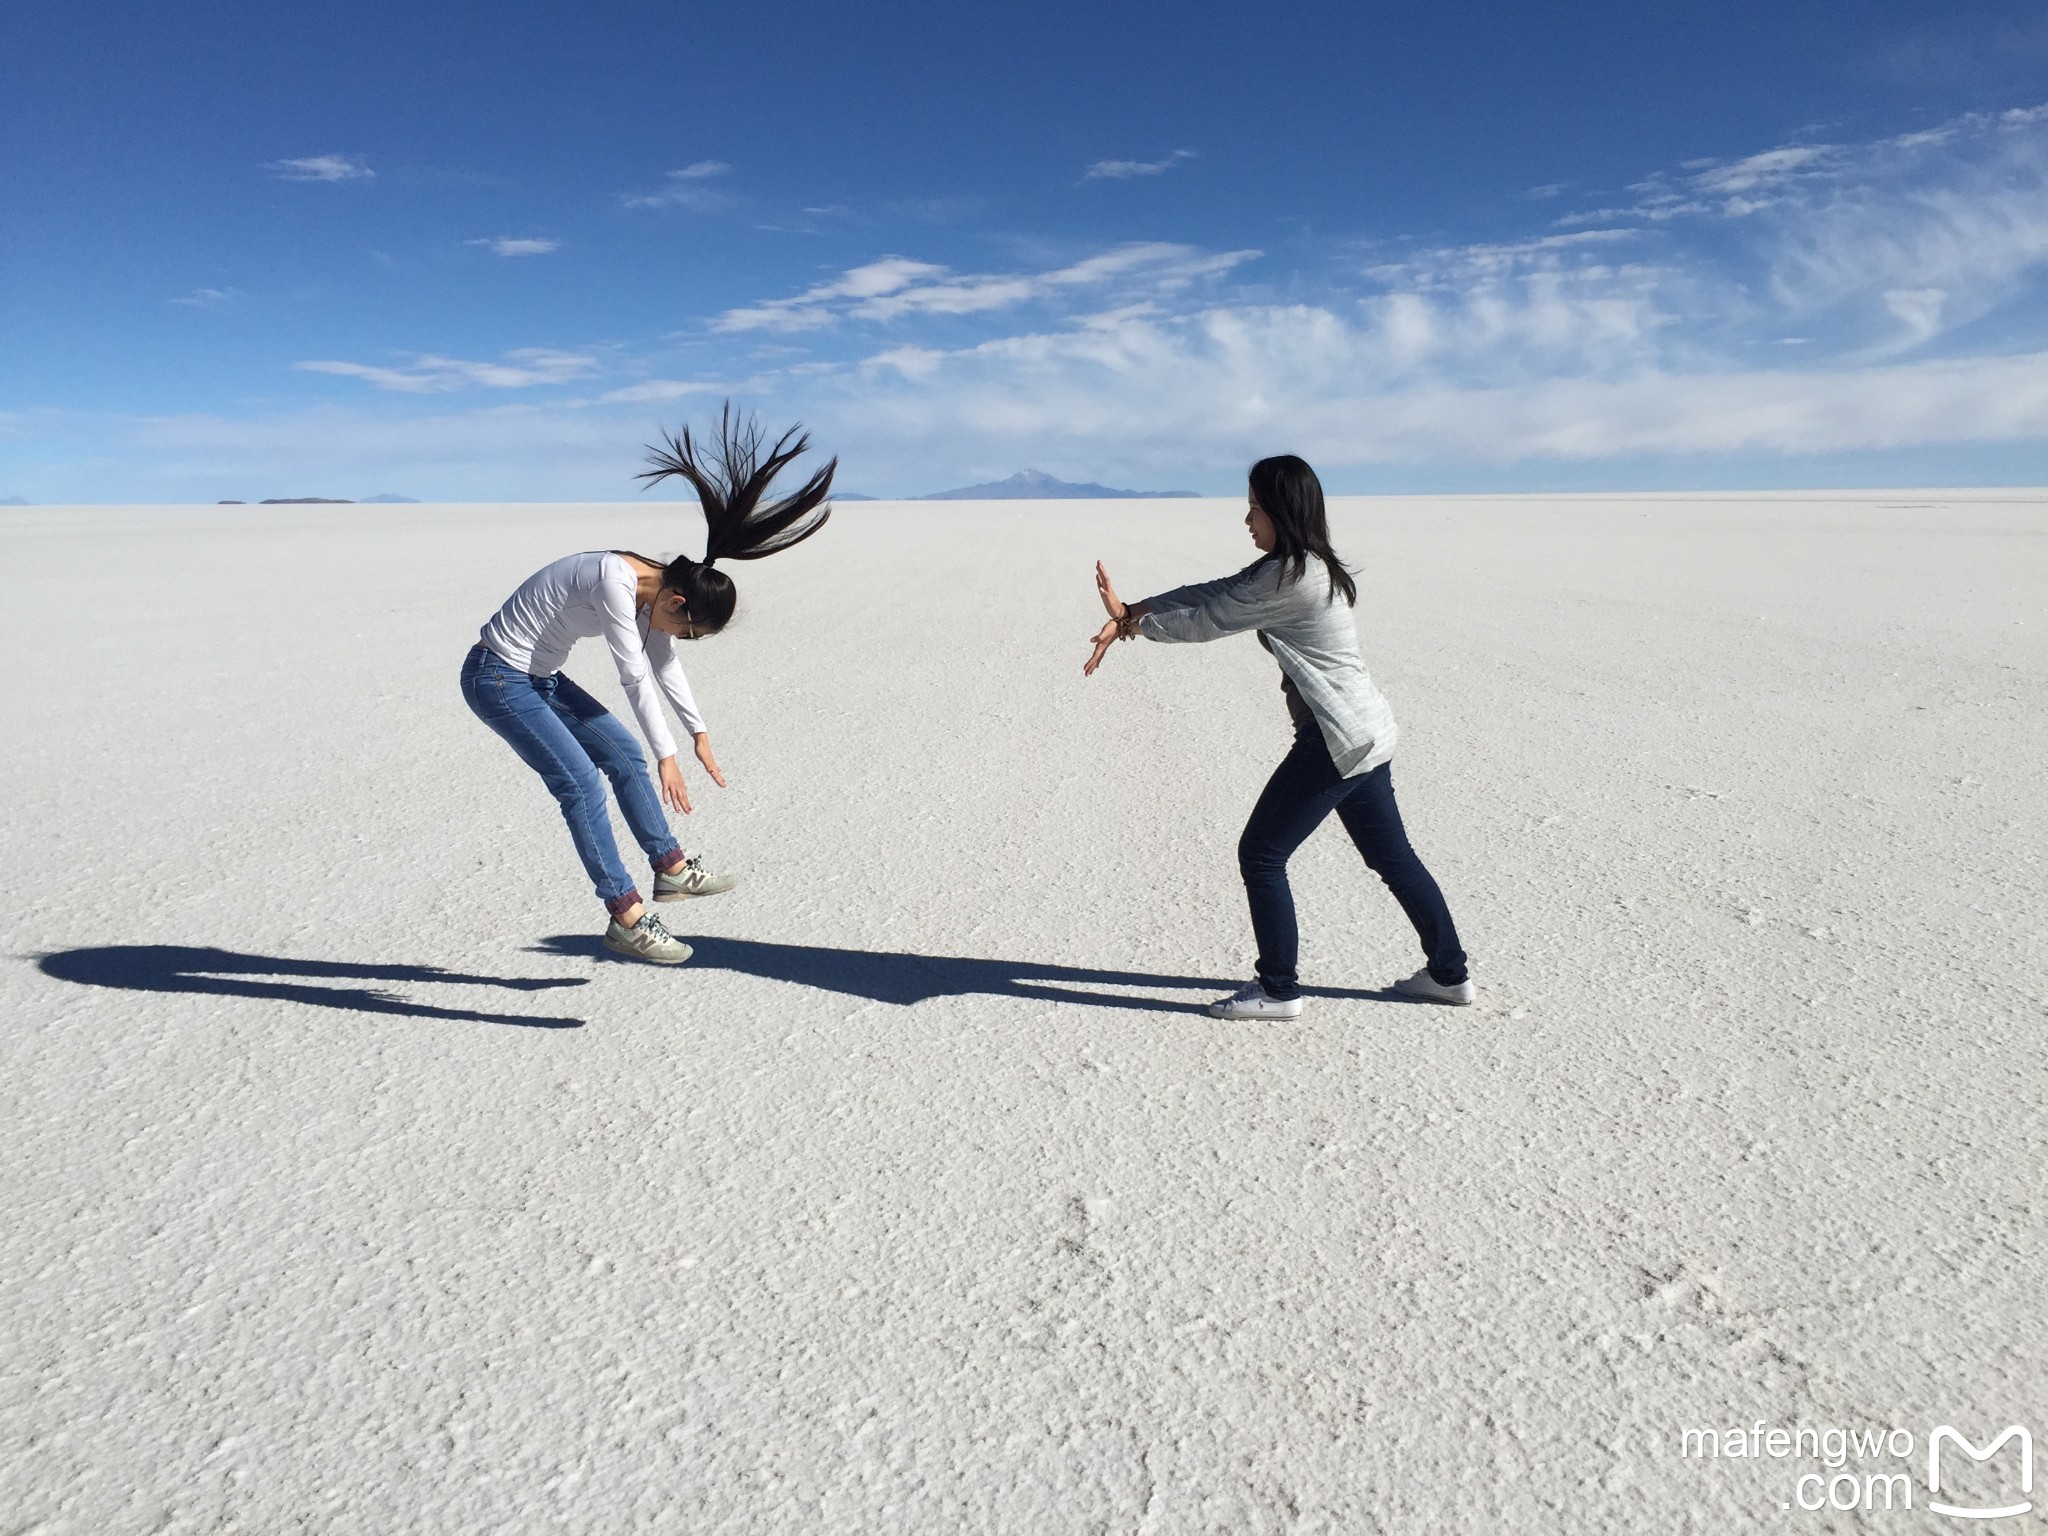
[[852, 496], [387, 499], [1031, 485], [14, 501], [305, 501]]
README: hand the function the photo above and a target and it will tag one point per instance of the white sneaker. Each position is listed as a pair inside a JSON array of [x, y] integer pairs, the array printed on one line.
[[646, 940], [690, 879], [1420, 986], [1251, 1002]]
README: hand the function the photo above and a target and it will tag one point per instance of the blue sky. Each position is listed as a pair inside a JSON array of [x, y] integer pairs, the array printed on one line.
[[481, 253]]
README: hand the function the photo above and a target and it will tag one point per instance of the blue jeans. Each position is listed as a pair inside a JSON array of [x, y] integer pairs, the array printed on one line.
[[570, 739], [1304, 789]]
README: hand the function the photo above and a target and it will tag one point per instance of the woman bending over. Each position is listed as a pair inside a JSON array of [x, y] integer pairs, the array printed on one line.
[[1297, 597], [512, 677]]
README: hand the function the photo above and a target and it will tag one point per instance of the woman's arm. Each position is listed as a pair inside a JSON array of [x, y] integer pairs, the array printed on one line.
[[617, 596], [668, 671], [1252, 599]]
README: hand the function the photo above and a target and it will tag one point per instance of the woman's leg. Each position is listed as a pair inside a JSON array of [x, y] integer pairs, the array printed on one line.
[[618, 755], [515, 706], [1293, 804], [1374, 822]]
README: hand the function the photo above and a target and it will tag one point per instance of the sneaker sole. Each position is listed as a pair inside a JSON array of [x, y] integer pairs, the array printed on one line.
[[1230, 1013], [1431, 997], [689, 895], [634, 954]]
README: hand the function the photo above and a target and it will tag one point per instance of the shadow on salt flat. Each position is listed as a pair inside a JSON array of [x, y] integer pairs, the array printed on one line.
[[884, 976], [180, 968]]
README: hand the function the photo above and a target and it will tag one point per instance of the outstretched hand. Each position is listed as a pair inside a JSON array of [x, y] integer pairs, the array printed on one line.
[[1119, 625], [1111, 603], [1105, 637]]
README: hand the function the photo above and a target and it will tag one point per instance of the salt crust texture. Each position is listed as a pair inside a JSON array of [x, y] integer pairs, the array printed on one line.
[[351, 1188]]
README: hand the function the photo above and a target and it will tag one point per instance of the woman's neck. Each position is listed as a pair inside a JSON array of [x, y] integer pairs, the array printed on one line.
[[649, 576]]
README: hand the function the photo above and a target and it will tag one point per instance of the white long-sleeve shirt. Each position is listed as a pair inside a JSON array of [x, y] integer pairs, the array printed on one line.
[[580, 596]]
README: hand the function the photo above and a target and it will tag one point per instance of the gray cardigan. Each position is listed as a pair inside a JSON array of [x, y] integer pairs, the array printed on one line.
[[1310, 633]]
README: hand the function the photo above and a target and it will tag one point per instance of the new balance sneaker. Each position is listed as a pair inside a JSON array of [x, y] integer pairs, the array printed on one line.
[[1420, 986], [646, 940], [1252, 1002], [690, 879]]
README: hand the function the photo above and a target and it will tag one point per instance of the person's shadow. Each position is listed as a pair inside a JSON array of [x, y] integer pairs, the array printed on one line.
[[884, 976], [223, 973]]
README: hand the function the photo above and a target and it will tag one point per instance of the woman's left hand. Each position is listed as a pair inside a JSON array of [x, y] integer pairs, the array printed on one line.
[[1105, 637], [705, 756]]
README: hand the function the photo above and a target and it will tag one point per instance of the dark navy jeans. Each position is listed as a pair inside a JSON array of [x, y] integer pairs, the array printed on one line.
[[574, 743], [1304, 789]]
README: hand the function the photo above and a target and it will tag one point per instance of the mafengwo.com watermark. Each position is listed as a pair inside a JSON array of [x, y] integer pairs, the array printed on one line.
[[1883, 1467]]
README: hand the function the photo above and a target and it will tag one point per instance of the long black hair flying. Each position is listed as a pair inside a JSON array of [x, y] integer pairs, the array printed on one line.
[[1289, 493], [731, 474]]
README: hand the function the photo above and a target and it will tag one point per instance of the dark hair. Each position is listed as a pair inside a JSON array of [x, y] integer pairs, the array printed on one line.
[[731, 475], [1291, 496]]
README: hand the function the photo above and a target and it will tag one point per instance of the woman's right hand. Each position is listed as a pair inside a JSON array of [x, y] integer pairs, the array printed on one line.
[[1111, 603], [673, 794]]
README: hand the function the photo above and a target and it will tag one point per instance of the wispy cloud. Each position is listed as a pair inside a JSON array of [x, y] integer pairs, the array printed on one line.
[[523, 368], [1124, 170], [898, 286], [657, 390], [321, 168], [507, 245], [1893, 243], [207, 298], [685, 188]]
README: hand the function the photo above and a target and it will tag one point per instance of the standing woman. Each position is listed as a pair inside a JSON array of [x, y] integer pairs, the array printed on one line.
[[1298, 596], [512, 678]]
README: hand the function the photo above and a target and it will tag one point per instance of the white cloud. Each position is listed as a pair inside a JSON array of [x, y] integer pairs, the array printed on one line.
[[897, 286], [506, 245], [1918, 310], [207, 298], [1220, 387], [1192, 399], [655, 390], [1763, 172], [812, 309], [1872, 248], [1458, 263], [524, 368], [322, 168], [684, 189], [1124, 170]]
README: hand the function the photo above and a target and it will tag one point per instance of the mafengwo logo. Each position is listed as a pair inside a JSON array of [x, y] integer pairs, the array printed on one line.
[[1867, 1469], [1946, 1435]]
